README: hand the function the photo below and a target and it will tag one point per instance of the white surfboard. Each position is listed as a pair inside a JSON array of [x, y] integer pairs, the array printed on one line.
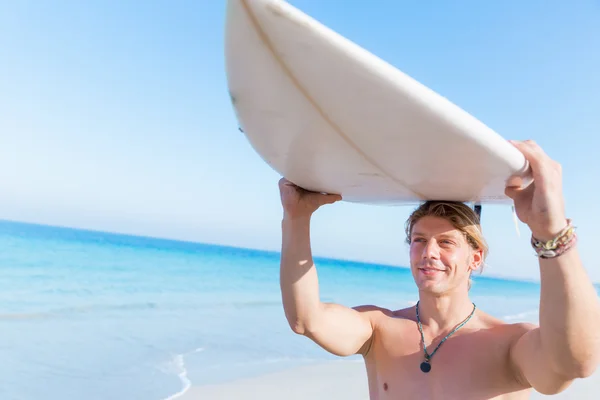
[[332, 117]]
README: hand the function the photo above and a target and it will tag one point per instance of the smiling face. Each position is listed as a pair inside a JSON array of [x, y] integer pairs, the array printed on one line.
[[446, 246], [441, 259]]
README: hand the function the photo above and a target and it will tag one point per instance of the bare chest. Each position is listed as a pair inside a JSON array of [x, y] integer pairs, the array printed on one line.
[[471, 364]]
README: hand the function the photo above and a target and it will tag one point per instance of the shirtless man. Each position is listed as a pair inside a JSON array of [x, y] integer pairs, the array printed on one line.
[[485, 358]]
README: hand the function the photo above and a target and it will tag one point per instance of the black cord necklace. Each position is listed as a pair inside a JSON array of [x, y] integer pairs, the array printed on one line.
[[426, 365]]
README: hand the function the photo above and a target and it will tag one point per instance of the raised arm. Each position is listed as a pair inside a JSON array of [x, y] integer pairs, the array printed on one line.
[[338, 329], [566, 345]]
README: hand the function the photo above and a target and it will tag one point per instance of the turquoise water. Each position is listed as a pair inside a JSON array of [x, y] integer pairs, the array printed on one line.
[[103, 316]]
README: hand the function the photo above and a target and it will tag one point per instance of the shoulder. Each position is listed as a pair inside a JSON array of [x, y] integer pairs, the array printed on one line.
[[506, 335], [521, 328], [510, 331], [506, 344], [490, 322], [383, 320], [373, 310], [381, 314]]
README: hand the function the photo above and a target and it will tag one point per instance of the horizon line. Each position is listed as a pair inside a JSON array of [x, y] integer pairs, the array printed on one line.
[[238, 247]]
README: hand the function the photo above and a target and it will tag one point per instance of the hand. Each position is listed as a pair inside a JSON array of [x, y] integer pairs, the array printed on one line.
[[300, 203], [541, 204]]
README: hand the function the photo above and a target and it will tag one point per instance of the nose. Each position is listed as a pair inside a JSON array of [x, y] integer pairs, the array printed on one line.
[[431, 250]]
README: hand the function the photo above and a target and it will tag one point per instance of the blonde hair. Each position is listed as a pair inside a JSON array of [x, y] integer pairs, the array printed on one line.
[[461, 216]]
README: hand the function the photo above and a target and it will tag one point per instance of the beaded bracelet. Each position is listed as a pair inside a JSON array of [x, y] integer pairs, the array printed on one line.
[[562, 242]]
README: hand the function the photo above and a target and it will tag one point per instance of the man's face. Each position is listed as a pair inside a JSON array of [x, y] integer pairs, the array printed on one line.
[[441, 259]]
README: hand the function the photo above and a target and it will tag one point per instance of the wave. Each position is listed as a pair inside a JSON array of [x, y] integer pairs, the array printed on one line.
[[93, 308], [177, 366], [178, 363], [83, 309], [24, 316], [247, 304]]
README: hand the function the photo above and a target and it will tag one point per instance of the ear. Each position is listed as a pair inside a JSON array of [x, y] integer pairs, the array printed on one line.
[[476, 260]]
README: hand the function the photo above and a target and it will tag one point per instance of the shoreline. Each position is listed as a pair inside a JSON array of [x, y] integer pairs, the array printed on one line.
[[346, 378], [313, 381]]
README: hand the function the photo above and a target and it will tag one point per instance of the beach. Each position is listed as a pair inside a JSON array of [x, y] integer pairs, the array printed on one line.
[[336, 380], [96, 316]]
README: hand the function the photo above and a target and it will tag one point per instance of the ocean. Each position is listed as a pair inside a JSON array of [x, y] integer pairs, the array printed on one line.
[[92, 315]]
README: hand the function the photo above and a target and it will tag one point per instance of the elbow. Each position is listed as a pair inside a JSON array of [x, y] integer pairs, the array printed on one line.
[[579, 369], [578, 362], [563, 377], [301, 322], [302, 327], [587, 363], [297, 327], [585, 369]]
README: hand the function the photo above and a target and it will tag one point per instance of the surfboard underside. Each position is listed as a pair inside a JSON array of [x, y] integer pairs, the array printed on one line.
[[332, 117]]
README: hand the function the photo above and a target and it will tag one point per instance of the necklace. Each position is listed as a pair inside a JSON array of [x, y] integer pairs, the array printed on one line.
[[426, 365]]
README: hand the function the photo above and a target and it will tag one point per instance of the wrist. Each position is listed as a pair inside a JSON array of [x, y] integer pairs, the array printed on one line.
[[294, 231], [550, 231], [556, 245], [295, 220]]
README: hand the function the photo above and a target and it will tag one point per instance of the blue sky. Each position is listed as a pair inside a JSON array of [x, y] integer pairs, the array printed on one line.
[[115, 116]]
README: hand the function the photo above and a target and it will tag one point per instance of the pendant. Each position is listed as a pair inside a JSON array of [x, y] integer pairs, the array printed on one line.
[[425, 366]]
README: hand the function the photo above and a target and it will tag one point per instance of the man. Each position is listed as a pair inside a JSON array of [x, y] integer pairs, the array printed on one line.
[[468, 354]]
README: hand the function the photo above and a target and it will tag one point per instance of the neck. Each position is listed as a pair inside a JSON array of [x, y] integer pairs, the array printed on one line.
[[441, 313]]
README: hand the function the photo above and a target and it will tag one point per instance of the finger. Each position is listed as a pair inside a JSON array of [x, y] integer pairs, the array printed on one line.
[[326, 198], [332, 198], [511, 192], [516, 193], [531, 150], [283, 182], [539, 161]]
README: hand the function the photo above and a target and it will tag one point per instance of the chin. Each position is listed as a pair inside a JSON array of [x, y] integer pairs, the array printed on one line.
[[433, 290], [431, 287]]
